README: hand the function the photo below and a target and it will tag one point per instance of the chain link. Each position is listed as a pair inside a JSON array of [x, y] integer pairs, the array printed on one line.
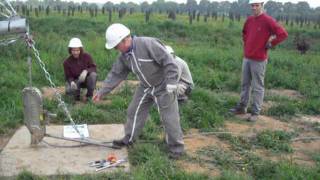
[[31, 44]]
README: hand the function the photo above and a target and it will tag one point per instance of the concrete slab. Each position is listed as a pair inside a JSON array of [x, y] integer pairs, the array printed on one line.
[[47, 160]]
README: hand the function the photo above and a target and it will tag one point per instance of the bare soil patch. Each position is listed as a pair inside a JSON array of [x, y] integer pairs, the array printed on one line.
[[293, 94], [303, 150]]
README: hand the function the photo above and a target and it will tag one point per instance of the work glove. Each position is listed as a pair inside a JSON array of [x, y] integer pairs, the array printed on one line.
[[83, 76], [171, 88], [73, 86], [181, 89]]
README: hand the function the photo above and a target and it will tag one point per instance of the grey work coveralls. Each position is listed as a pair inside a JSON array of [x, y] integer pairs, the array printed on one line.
[[153, 65]]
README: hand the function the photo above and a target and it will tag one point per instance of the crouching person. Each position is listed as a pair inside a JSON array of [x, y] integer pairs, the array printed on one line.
[[149, 60], [80, 71]]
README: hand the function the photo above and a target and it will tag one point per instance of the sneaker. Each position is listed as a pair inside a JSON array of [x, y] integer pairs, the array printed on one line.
[[238, 110], [175, 155], [253, 118]]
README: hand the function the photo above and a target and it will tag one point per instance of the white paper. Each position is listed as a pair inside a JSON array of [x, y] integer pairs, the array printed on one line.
[[70, 132]]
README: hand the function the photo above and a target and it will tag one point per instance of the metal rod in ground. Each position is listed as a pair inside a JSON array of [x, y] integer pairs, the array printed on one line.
[[86, 141], [30, 70]]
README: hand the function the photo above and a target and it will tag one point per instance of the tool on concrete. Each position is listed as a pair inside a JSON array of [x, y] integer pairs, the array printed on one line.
[[110, 161], [118, 163]]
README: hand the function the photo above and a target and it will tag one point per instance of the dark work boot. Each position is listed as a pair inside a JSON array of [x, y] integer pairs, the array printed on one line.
[[176, 155], [122, 142], [238, 109]]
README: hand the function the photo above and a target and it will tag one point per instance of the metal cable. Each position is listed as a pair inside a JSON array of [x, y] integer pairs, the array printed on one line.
[[10, 13], [8, 41], [12, 9], [5, 15], [64, 146], [5, 7]]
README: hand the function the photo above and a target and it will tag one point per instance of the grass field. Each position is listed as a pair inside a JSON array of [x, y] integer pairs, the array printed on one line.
[[213, 51]]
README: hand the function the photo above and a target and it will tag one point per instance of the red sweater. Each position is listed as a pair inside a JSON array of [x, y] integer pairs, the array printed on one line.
[[256, 32], [73, 67]]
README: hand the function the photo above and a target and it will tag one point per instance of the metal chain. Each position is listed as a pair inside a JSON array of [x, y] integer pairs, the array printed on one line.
[[31, 44]]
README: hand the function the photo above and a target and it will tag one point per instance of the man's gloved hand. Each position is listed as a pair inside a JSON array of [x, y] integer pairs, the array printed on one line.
[[171, 88], [73, 85], [83, 76], [181, 89]]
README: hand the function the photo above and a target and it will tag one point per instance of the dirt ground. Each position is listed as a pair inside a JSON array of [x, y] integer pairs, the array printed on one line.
[[302, 150]]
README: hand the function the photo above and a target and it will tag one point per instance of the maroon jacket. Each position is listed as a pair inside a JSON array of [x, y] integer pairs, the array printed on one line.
[[256, 33], [73, 67]]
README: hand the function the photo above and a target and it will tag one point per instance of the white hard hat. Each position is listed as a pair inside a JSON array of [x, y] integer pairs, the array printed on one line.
[[256, 1], [75, 43], [115, 33], [169, 49]]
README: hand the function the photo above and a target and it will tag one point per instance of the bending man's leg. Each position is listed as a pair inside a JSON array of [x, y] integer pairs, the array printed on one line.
[[169, 113], [137, 114]]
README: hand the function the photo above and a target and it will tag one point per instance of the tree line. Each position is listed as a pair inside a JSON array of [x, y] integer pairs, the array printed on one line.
[[300, 13]]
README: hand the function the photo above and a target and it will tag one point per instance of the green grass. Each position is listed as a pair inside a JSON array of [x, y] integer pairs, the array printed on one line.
[[213, 51], [277, 141]]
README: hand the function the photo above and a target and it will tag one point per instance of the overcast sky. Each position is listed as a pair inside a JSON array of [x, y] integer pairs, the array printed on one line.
[[312, 3]]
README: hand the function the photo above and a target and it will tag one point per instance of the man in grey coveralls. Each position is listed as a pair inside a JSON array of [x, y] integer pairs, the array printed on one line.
[[149, 60]]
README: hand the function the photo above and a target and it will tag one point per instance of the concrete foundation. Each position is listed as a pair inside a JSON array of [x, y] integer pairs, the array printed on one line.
[[47, 160]]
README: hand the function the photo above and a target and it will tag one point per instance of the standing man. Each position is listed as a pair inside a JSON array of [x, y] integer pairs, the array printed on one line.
[[79, 71], [148, 59], [260, 33], [185, 82]]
